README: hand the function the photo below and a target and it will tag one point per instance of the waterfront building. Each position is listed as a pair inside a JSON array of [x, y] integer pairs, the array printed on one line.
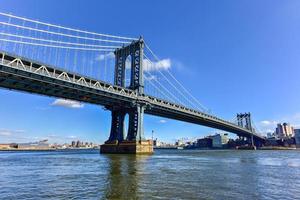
[[284, 130], [297, 137], [5, 146], [273, 141], [204, 143], [219, 140]]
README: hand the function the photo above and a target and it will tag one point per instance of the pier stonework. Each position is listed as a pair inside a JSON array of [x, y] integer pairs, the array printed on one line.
[[134, 142]]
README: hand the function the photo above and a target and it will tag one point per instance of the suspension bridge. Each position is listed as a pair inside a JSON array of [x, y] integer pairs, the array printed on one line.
[[120, 73]]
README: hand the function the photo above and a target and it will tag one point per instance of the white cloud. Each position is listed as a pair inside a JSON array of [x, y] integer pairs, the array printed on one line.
[[101, 57], [71, 137], [265, 122], [150, 77], [52, 136], [67, 103], [6, 132], [266, 126], [163, 64], [178, 65], [268, 123], [162, 121]]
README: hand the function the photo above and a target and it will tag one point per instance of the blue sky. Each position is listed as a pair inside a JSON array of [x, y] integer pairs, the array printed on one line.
[[234, 56]]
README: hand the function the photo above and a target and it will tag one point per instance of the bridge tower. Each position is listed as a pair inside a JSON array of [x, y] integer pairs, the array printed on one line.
[[244, 120], [134, 141]]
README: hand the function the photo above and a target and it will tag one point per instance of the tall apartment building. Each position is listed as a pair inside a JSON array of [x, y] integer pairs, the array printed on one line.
[[284, 130]]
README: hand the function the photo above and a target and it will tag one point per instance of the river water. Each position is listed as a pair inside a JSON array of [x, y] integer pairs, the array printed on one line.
[[168, 174]]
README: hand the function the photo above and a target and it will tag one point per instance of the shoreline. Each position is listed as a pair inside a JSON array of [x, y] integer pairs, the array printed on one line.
[[50, 149], [204, 149]]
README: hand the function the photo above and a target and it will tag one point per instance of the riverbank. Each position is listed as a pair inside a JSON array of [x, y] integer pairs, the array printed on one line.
[[277, 148]]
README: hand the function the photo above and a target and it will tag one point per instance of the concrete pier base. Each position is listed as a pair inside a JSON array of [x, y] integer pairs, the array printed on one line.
[[127, 147]]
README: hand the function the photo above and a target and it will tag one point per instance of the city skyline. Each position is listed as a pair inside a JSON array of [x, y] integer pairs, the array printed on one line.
[[250, 88]]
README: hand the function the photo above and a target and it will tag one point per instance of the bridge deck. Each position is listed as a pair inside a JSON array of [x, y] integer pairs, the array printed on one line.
[[25, 75]]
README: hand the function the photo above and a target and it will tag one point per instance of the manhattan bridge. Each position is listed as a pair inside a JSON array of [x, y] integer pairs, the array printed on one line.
[[120, 73]]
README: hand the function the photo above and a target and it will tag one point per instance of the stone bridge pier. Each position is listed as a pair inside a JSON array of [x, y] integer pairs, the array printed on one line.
[[134, 141]]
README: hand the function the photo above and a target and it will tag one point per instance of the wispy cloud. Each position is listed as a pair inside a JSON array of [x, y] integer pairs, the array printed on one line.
[[101, 57], [5, 133], [71, 137], [268, 123], [150, 77], [67, 103], [52, 136], [9, 136], [178, 65], [163, 64], [60, 137], [267, 126], [162, 121]]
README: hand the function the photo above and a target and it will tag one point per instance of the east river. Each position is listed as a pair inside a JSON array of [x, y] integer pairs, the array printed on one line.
[[168, 174]]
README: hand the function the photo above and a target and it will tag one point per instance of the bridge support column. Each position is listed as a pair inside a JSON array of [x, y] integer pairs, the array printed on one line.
[[135, 142], [116, 132]]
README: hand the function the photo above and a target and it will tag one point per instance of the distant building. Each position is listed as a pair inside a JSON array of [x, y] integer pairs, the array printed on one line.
[[204, 143], [78, 144], [5, 146], [73, 144], [180, 143], [270, 135], [272, 141], [219, 140], [284, 130], [34, 145], [156, 143], [297, 137]]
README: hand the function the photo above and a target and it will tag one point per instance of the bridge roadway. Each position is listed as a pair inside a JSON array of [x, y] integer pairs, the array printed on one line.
[[23, 74]]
